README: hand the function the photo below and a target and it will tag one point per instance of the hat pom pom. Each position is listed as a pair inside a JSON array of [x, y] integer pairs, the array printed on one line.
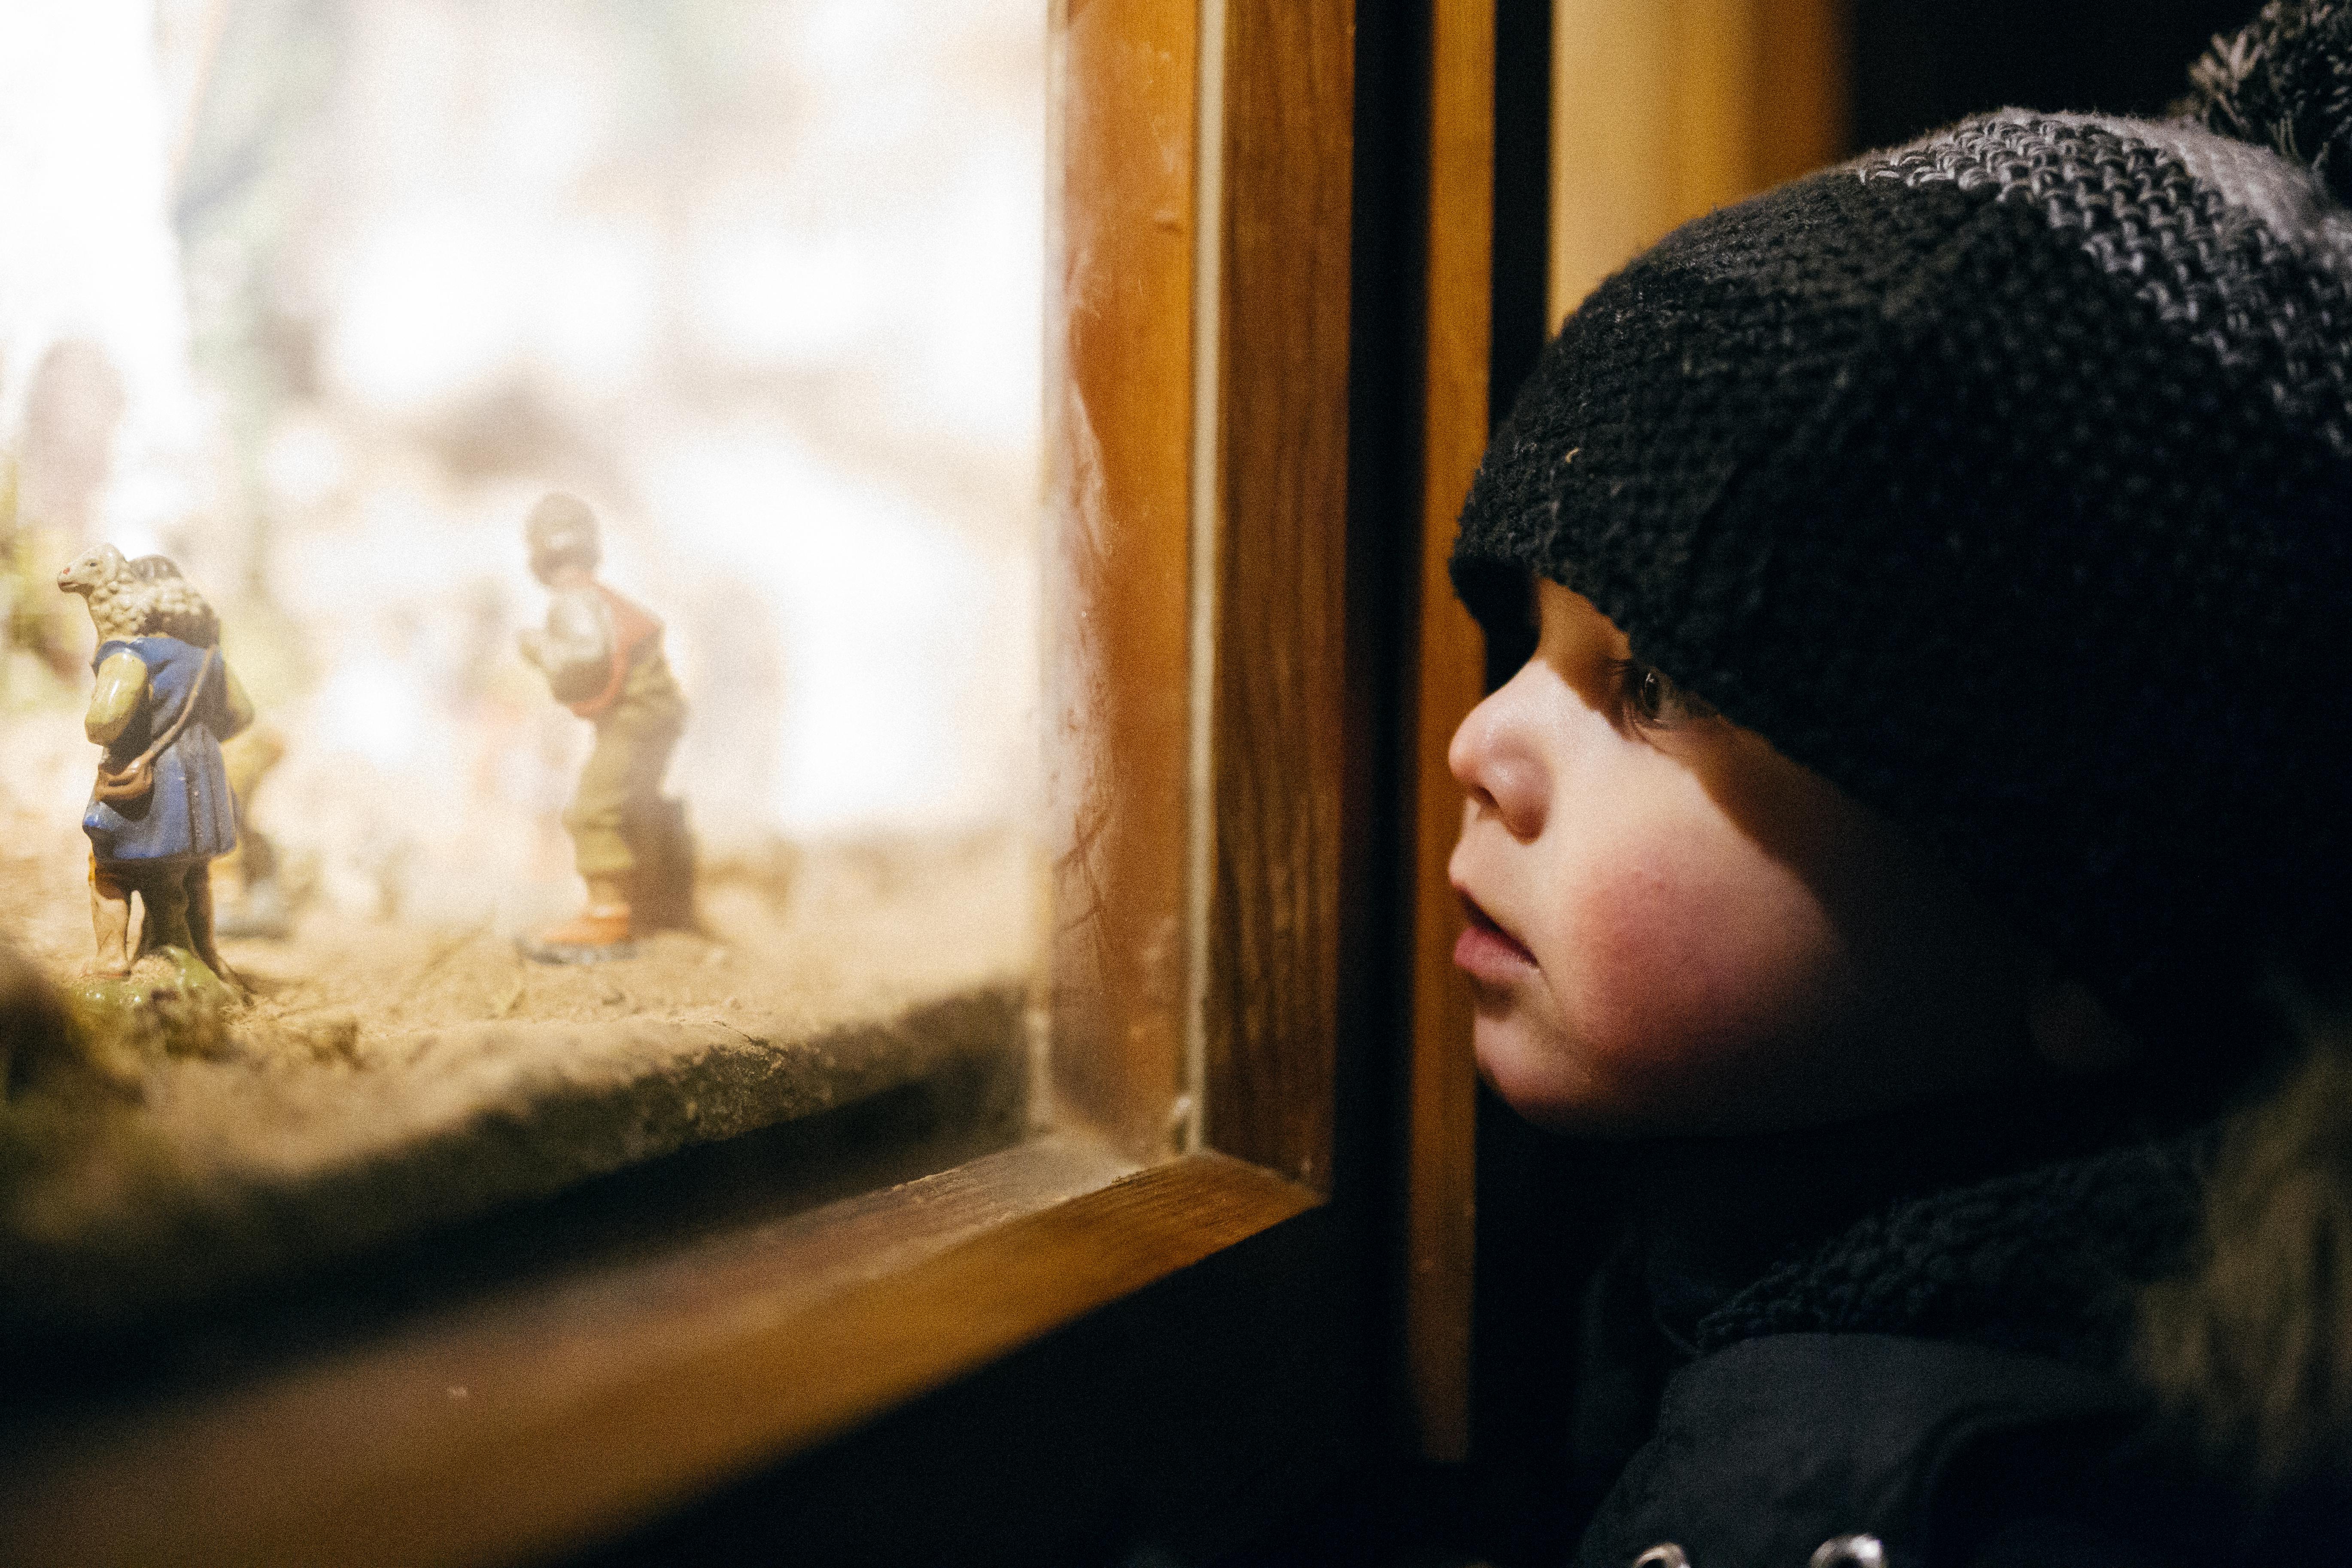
[[2284, 81]]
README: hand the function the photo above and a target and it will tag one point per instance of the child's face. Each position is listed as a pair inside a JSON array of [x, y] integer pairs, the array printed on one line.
[[1675, 928]]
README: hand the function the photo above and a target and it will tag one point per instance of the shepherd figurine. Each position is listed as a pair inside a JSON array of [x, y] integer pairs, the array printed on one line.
[[161, 809], [603, 657]]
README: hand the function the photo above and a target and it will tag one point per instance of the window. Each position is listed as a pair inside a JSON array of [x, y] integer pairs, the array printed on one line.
[[762, 285], [1213, 626]]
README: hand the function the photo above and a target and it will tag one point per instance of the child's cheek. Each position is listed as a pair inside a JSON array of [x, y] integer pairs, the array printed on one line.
[[1695, 958]]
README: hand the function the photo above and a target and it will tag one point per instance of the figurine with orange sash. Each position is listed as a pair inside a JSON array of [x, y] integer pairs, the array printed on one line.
[[603, 657]]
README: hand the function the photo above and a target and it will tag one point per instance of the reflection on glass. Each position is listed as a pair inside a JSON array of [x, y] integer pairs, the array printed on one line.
[[320, 301]]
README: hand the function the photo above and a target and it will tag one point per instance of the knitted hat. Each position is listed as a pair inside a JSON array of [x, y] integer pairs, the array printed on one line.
[[2005, 479]]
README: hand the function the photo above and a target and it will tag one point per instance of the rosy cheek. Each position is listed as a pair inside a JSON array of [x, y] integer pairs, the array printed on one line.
[[1637, 981], [1689, 959]]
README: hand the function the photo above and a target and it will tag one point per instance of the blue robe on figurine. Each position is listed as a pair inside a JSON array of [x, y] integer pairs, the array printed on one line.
[[189, 812]]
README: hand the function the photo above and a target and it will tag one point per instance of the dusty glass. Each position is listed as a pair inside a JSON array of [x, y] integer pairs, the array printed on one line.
[[321, 301]]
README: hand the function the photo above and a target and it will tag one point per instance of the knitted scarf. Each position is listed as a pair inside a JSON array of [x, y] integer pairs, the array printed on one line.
[[2048, 1261]]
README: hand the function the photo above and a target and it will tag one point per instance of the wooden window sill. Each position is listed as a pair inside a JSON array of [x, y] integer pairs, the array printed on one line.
[[573, 1406]]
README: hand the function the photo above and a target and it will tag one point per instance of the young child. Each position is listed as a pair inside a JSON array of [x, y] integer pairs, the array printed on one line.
[[1934, 581]]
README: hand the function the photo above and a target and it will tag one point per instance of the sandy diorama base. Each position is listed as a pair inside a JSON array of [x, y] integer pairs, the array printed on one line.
[[384, 1078]]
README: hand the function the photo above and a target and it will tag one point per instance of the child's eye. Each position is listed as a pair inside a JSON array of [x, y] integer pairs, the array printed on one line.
[[1648, 698]]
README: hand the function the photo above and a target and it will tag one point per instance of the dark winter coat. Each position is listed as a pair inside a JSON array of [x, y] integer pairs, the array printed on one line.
[[1938, 1386], [1804, 1449]]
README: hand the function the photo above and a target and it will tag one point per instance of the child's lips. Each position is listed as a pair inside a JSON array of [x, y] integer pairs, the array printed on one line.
[[1486, 950]]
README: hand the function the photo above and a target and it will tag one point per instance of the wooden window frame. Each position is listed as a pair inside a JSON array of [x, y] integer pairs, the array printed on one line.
[[1208, 904], [1662, 110]]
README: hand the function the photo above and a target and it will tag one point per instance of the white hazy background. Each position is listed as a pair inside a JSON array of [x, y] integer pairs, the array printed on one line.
[[319, 296]]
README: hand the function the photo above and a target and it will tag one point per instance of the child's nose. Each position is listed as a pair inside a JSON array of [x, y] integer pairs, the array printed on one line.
[[1491, 758]]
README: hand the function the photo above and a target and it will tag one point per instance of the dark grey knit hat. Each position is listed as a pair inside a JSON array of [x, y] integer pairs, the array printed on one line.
[[2005, 478]]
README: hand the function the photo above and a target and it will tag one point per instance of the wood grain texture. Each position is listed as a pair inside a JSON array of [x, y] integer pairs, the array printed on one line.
[[532, 1425], [1613, 118], [1662, 110], [1447, 676], [1279, 765], [1119, 440], [1804, 115]]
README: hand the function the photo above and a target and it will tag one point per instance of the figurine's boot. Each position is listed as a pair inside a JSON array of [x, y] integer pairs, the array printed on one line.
[[110, 919], [199, 884], [598, 933], [598, 925], [164, 889]]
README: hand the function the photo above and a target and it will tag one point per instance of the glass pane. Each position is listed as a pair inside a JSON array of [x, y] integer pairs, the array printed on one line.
[[322, 300]]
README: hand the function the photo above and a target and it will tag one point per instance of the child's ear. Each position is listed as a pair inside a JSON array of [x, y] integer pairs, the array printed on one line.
[[2074, 1031]]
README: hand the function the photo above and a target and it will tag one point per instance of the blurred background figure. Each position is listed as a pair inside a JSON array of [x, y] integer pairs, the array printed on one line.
[[602, 654], [255, 904]]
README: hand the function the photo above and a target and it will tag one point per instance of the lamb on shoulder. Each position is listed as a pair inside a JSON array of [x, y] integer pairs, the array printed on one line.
[[146, 597]]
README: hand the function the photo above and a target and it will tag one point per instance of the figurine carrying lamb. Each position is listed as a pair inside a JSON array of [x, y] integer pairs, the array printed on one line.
[[161, 809]]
